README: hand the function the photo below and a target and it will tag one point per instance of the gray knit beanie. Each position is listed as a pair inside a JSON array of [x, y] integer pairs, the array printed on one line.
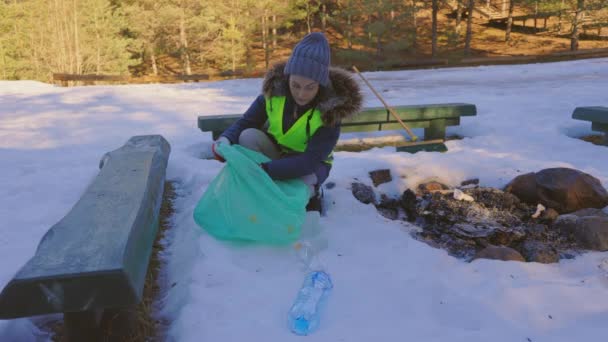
[[310, 58]]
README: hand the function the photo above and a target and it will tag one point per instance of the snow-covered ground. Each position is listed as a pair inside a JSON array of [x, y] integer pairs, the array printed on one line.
[[388, 286]]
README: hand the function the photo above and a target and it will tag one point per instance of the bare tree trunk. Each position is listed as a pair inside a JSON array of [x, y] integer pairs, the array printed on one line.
[[379, 37], [415, 23], [560, 17], [509, 21], [153, 59], [349, 33], [34, 47], [233, 46], [435, 9], [369, 22], [458, 18], [467, 45], [535, 15], [308, 17], [184, 43], [323, 16], [69, 35], [3, 63], [265, 40], [274, 32], [61, 15], [580, 4], [77, 57], [98, 45]]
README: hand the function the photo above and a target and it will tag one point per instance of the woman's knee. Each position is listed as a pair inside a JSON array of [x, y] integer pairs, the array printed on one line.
[[250, 136], [256, 140]]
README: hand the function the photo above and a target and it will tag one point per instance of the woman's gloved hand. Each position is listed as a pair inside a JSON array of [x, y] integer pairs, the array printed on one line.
[[216, 154]]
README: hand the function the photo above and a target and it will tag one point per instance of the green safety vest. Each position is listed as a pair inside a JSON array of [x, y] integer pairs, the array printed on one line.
[[297, 136]]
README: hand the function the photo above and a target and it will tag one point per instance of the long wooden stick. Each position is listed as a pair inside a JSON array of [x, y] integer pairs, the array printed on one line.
[[407, 129]]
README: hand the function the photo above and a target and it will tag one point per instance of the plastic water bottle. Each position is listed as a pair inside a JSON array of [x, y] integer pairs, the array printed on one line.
[[311, 243], [304, 315]]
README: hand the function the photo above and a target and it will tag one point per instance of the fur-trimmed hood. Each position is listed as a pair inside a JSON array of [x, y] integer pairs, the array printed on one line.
[[341, 99]]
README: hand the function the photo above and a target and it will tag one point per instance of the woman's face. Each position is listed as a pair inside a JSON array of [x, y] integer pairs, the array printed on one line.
[[303, 89]]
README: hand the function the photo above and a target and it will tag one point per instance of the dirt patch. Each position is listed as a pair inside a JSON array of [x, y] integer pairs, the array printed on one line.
[[594, 139]]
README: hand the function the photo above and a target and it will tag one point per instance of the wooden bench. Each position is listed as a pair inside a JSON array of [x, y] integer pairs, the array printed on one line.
[[96, 257], [598, 117], [434, 118]]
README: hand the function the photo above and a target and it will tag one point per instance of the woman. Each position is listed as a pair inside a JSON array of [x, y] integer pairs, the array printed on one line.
[[296, 121]]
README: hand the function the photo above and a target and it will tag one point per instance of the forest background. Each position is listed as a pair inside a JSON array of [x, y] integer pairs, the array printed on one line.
[[182, 37]]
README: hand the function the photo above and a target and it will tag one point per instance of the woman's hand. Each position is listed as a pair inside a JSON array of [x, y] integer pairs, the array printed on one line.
[[216, 154]]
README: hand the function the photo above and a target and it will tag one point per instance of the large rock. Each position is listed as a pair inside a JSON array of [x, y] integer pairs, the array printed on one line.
[[493, 233], [565, 190], [409, 204], [499, 253], [549, 215], [590, 232], [536, 251], [364, 193], [388, 207], [590, 212], [380, 176], [425, 188]]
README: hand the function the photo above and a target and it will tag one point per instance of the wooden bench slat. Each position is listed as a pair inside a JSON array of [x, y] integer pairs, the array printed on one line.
[[386, 126], [434, 118], [415, 112], [97, 255]]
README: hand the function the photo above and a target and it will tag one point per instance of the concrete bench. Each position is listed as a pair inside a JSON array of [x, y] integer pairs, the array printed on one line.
[[434, 118], [598, 117], [96, 257]]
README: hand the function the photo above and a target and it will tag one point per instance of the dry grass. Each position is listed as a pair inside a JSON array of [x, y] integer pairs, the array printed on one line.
[[147, 328], [594, 139]]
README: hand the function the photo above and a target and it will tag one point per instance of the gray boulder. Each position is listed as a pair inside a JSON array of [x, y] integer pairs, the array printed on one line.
[[499, 253], [590, 232], [364, 193], [536, 251]]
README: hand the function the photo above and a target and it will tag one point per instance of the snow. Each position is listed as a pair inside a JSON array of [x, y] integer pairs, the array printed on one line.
[[387, 286]]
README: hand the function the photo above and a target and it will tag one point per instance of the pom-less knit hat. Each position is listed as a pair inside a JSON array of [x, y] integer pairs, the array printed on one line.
[[310, 58]]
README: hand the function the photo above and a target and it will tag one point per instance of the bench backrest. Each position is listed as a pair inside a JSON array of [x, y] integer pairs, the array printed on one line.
[[369, 119]]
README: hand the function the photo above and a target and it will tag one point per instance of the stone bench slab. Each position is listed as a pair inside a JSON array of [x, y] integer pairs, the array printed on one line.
[[96, 257]]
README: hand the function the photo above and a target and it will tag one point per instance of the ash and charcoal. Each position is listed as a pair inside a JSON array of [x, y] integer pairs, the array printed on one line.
[[521, 223], [493, 218], [472, 229]]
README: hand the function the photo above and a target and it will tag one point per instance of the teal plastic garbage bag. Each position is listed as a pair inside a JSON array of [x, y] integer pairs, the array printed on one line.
[[244, 203]]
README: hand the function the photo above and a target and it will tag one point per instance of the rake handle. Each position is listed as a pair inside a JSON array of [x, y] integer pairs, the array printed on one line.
[[407, 129]]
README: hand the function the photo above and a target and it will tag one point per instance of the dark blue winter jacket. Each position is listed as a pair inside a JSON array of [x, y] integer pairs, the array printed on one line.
[[341, 99]]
